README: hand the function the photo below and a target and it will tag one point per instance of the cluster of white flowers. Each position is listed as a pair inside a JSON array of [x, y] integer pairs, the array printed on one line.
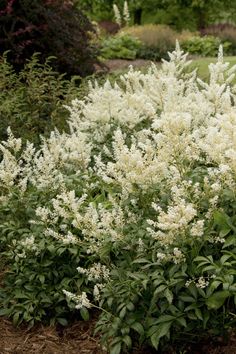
[[96, 273], [201, 282], [118, 15], [80, 300], [22, 247], [149, 136], [176, 256]]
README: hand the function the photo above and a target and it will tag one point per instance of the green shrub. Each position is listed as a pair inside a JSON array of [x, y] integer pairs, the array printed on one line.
[[132, 212], [121, 46], [157, 40], [53, 28], [206, 46], [31, 101], [226, 32]]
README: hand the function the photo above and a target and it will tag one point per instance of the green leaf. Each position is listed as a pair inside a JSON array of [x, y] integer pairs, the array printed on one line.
[[198, 313], [127, 340], [141, 260], [224, 258], [217, 300], [122, 312], [160, 331], [187, 298], [159, 289], [231, 240], [169, 296], [165, 318], [130, 306], [220, 219], [84, 314], [4, 312], [138, 328], [182, 321], [62, 321], [116, 349], [15, 319], [42, 279]]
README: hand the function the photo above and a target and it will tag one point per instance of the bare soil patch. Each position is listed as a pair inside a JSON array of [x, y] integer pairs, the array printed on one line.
[[122, 64]]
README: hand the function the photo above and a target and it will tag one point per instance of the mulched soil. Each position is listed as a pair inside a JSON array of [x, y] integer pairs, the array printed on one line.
[[76, 339]]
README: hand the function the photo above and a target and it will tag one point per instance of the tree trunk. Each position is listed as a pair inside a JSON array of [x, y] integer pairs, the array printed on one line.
[[138, 16], [201, 18]]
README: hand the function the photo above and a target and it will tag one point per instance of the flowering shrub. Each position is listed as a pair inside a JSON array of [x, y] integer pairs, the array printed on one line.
[[133, 212]]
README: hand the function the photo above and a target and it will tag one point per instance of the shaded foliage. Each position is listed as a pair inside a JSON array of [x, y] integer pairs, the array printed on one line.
[[51, 27]]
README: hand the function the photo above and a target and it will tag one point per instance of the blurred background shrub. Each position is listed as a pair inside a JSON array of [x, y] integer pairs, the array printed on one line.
[[206, 46], [121, 46], [224, 31]]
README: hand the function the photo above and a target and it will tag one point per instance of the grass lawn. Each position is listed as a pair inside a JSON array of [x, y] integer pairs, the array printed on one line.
[[202, 65]]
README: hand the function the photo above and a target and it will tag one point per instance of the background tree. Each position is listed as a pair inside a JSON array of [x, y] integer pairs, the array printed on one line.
[[51, 27], [192, 14]]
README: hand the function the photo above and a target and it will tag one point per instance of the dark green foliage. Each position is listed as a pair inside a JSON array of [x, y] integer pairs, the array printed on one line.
[[148, 301], [181, 14], [225, 32], [53, 28], [120, 47], [33, 284], [31, 101], [205, 46]]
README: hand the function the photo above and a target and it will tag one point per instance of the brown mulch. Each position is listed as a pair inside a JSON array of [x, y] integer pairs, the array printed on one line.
[[76, 339]]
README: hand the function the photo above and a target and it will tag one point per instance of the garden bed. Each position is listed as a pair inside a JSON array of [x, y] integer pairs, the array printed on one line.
[[76, 339]]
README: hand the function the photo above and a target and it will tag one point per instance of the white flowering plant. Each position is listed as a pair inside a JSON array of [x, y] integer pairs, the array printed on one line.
[[132, 212]]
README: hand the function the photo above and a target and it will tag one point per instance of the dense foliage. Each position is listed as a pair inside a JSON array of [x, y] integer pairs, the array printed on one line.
[[31, 101], [122, 46], [225, 32], [153, 42], [206, 46], [53, 28], [132, 212], [181, 14]]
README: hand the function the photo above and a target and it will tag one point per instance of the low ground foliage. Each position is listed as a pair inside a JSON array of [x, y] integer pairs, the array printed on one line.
[[131, 212]]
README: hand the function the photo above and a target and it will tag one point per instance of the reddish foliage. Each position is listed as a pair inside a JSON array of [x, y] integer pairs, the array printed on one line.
[[51, 27], [109, 26]]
